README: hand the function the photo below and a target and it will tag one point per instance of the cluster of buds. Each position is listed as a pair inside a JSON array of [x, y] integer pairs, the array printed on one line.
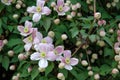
[[112, 4], [20, 4]]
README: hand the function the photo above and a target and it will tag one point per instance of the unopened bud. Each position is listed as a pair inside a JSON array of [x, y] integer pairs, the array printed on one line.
[[29, 69], [41, 69], [115, 71], [18, 6], [96, 76], [5, 41], [90, 73], [12, 67], [78, 5], [69, 17], [84, 63], [51, 34], [21, 56], [53, 4], [61, 65], [11, 53], [15, 16], [64, 36], [57, 21], [97, 15], [60, 76], [94, 56]]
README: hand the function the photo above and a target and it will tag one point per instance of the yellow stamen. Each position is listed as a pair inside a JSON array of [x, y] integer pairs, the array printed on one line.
[[43, 41], [26, 29], [30, 38], [60, 8], [67, 60], [43, 54], [38, 9]]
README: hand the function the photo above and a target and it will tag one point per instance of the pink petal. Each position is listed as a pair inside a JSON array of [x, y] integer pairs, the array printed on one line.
[[36, 17], [59, 49], [46, 11], [61, 13], [60, 2], [68, 67], [66, 8], [51, 56], [27, 46], [31, 9], [48, 39], [74, 61], [21, 29], [40, 3], [35, 56], [43, 63], [67, 53], [38, 38], [28, 24]]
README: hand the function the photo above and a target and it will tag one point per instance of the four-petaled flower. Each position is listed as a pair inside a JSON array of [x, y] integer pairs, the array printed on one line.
[[26, 29], [61, 8], [39, 10], [43, 55], [68, 61]]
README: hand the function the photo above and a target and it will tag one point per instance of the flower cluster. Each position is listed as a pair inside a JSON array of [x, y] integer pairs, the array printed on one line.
[[44, 48]]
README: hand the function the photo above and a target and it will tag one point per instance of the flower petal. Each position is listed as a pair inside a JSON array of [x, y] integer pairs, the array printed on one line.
[[27, 46], [21, 29], [74, 61], [40, 3], [67, 53], [66, 8], [31, 9], [46, 11], [59, 49], [36, 17], [68, 67], [60, 2], [51, 56], [48, 39], [37, 38], [28, 24], [35, 56], [43, 63]]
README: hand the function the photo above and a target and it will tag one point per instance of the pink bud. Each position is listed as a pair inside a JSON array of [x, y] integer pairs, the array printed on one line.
[[102, 33], [29, 69], [11, 53], [21, 56], [12, 67]]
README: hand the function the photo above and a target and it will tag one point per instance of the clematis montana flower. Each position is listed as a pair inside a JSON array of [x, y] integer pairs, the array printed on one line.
[[58, 51], [6, 2], [42, 55], [68, 61], [27, 29], [61, 8], [29, 40], [39, 10]]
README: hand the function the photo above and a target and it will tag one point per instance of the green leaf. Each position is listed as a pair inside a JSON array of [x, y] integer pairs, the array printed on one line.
[[18, 48], [13, 42], [105, 69], [1, 7], [5, 62], [108, 41], [64, 71], [92, 38], [83, 75], [21, 64], [108, 52], [75, 74], [0, 58], [24, 19], [49, 69], [34, 73], [47, 23], [74, 31], [1, 30]]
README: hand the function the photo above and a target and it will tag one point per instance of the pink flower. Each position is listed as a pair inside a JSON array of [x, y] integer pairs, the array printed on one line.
[[42, 55], [1, 44], [29, 40], [68, 61], [61, 8], [39, 10], [58, 51], [27, 29], [117, 47], [101, 22], [6, 2]]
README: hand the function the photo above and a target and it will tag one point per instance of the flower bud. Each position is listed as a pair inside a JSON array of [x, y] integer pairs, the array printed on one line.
[[41, 69], [90, 73], [57, 21], [15, 16], [12, 67], [18, 6], [84, 63], [79, 14], [96, 76], [89, 68], [73, 14], [116, 1], [53, 4], [108, 5], [21, 56], [23, 5], [97, 15], [117, 57], [115, 71], [118, 66], [60, 76], [94, 56], [111, 30], [10, 53], [74, 7], [19, 2], [29, 69], [101, 43], [64, 36], [15, 78], [5, 41], [92, 60], [78, 43], [119, 25], [113, 4], [51, 34], [69, 17], [61, 65], [78, 5]]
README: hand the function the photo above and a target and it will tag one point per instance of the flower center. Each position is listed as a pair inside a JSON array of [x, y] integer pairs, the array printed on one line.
[[43, 41], [26, 29], [60, 8], [67, 60], [43, 54], [30, 38], [39, 9], [56, 53]]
